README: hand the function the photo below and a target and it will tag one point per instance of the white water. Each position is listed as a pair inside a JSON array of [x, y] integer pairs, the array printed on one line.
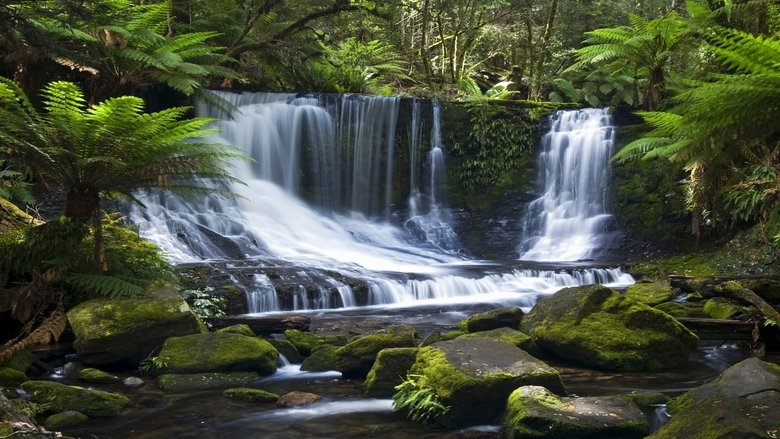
[[567, 222], [345, 149]]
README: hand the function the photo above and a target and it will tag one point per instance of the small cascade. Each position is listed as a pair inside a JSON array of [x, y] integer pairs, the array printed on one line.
[[435, 226], [567, 222]]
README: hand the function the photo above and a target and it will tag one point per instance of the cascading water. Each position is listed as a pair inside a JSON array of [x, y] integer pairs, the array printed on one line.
[[567, 222], [339, 153]]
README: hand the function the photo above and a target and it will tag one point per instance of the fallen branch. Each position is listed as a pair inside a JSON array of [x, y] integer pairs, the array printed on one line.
[[735, 290]]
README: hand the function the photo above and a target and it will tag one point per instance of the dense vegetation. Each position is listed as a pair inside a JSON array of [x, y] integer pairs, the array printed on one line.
[[77, 74]]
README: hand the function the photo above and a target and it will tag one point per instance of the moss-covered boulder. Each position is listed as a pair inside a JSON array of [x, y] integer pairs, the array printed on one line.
[[388, 371], [474, 377], [597, 327], [508, 317], [60, 398], [128, 330], [356, 357], [511, 336], [287, 349], [535, 412], [322, 359], [218, 352], [70, 418], [305, 342], [681, 309], [96, 376], [193, 382], [650, 293], [743, 402], [21, 361], [250, 394], [241, 328], [10, 377], [720, 308]]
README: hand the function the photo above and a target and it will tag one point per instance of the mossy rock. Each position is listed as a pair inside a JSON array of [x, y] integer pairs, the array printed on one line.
[[508, 317], [6, 429], [451, 334], [250, 394], [287, 349], [20, 361], [356, 357], [724, 309], [767, 289], [533, 411], [474, 377], [60, 398], [322, 358], [96, 376], [241, 328], [511, 336], [597, 327], [193, 382], [10, 377], [66, 419], [388, 371], [218, 352], [306, 341], [647, 399], [128, 330], [650, 293], [742, 402], [681, 309]]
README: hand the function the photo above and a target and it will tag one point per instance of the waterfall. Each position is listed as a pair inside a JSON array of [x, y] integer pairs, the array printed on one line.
[[315, 204], [568, 221]]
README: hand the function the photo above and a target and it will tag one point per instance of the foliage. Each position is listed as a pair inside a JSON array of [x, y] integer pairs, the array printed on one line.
[[14, 187], [419, 400], [204, 304], [470, 91], [152, 364], [596, 88]]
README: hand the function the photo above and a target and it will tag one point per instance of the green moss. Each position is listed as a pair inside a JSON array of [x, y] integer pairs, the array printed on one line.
[[452, 334], [680, 403], [250, 394], [193, 382], [304, 342], [647, 399], [70, 418], [356, 357], [511, 336], [508, 317], [681, 309], [218, 352], [11, 377], [650, 293], [6, 429], [719, 308], [21, 361], [389, 370], [322, 358], [96, 376], [242, 329], [59, 398]]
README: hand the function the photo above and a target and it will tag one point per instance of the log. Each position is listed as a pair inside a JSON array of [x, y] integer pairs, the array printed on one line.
[[718, 329], [735, 290], [263, 325]]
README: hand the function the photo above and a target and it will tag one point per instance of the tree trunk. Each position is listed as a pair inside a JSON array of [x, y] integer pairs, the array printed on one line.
[[101, 266], [81, 205]]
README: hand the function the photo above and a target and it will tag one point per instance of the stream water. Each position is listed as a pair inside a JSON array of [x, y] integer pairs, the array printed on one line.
[[318, 197]]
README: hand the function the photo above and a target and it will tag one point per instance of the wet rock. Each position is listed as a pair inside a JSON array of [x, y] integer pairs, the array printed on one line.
[[681, 309], [297, 399], [474, 377], [432, 338], [96, 376], [533, 411], [133, 382], [71, 370], [59, 398], [241, 328], [10, 377], [191, 382], [128, 330], [650, 293], [388, 371], [287, 349], [322, 358], [743, 402], [250, 394], [20, 361], [508, 317], [511, 336], [597, 327], [306, 341], [357, 357], [218, 352], [69, 418]]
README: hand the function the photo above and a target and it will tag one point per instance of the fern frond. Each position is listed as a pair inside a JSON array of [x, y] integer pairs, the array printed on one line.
[[111, 286]]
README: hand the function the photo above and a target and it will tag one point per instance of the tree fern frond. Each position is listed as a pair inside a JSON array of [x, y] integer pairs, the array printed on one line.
[[111, 286]]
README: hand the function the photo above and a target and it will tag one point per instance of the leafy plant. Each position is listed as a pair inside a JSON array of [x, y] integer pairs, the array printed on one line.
[[470, 91], [152, 364], [420, 401], [204, 304]]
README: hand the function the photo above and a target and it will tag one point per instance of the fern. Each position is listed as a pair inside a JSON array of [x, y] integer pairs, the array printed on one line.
[[420, 401]]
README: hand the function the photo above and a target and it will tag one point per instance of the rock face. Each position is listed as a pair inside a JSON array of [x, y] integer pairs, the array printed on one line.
[[595, 326], [218, 352], [389, 370], [474, 377], [534, 411], [190, 382], [357, 357], [128, 330], [61, 398], [511, 336], [742, 403], [508, 317]]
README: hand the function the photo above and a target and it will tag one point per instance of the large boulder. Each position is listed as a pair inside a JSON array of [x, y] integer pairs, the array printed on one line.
[[388, 371], [128, 330], [743, 402], [511, 336], [507, 317], [356, 357], [595, 326], [322, 359], [474, 377], [192, 382], [650, 293], [305, 341], [60, 398], [218, 352], [535, 412]]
